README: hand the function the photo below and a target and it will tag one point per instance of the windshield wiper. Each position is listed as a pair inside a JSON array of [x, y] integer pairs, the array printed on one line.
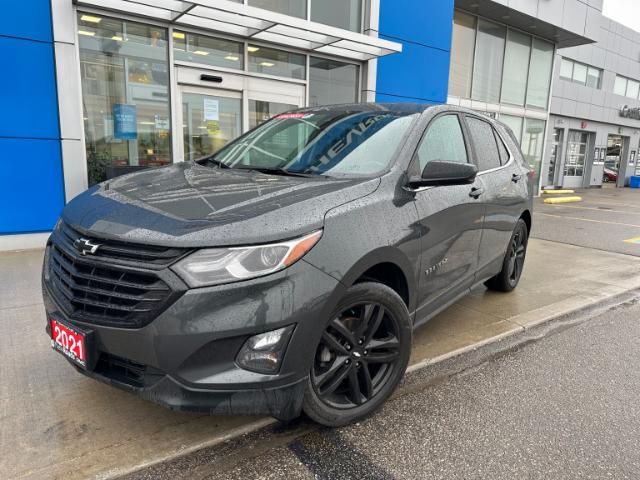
[[281, 171], [216, 162]]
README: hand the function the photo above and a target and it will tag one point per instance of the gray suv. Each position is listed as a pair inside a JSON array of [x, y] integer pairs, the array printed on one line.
[[286, 272]]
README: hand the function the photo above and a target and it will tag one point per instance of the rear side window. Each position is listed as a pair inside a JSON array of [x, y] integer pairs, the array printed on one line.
[[504, 153], [443, 141], [487, 156]]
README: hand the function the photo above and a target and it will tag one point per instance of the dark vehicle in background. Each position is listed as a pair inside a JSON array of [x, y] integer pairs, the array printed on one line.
[[286, 272]]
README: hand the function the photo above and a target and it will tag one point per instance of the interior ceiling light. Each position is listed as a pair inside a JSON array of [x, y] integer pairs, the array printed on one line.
[[267, 64], [253, 49], [201, 52], [178, 35], [90, 18], [87, 33], [117, 38], [233, 58]]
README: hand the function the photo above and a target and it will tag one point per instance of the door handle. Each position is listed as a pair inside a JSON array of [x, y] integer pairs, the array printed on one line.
[[515, 178], [476, 192]]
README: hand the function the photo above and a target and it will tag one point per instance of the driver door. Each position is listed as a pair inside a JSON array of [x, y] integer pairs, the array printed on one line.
[[451, 219]]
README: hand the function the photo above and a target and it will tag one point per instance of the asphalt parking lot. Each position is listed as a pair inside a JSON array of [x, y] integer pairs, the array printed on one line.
[[606, 219]]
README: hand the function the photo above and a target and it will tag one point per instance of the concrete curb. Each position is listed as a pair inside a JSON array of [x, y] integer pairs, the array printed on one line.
[[521, 323]]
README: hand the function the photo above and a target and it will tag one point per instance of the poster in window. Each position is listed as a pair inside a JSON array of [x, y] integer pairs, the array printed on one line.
[[632, 158], [212, 115], [596, 155], [125, 124]]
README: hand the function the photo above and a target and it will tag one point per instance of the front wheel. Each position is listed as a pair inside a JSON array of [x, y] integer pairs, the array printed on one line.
[[513, 263], [361, 357]]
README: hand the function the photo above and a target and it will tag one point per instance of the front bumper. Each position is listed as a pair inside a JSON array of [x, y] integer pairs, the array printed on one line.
[[185, 358]]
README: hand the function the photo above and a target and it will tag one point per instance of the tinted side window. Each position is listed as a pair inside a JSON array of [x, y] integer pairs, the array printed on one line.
[[487, 156], [443, 141], [504, 153]]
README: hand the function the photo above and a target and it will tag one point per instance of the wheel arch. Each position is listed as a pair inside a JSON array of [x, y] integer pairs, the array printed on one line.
[[526, 216]]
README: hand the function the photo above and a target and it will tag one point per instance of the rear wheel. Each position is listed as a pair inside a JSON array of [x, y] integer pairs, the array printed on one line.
[[361, 357], [513, 263]]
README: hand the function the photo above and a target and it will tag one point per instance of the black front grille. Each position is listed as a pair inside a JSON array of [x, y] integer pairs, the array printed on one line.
[[94, 290], [126, 371]]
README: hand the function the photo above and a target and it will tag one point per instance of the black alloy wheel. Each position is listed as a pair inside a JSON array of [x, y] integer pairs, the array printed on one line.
[[513, 263], [361, 356], [356, 356], [516, 256]]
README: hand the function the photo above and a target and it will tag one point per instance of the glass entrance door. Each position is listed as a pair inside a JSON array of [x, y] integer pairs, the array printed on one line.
[[212, 117], [575, 159], [210, 120]]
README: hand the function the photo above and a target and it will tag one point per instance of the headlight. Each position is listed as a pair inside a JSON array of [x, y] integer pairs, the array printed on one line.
[[214, 266]]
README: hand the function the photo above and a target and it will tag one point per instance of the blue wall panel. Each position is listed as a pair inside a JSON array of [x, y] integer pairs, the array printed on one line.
[[28, 90], [31, 179], [31, 193], [421, 72], [26, 19]]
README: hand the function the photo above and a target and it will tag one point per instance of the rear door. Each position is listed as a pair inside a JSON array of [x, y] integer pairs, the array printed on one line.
[[450, 219], [504, 182]]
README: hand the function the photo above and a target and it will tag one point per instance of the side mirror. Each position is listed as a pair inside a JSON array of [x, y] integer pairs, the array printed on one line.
[[440, 172]]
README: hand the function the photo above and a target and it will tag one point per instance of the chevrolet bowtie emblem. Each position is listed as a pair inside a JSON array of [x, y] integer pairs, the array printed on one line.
[[84, 246]]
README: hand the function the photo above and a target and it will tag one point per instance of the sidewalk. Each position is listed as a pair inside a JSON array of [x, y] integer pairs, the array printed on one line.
[[57, 423]]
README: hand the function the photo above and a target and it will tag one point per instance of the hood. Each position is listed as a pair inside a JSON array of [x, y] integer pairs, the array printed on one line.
[[190, 205]]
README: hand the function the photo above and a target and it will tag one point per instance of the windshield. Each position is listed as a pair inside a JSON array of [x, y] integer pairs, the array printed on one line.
[[325, 143]]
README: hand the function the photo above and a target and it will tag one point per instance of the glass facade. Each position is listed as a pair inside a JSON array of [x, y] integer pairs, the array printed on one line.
[[514, 123], [463, 43], [216, 52], [516, 67], [540, 73], [125, 94], [271, 61], [577, 145], [533, 143], [487, 66], [332, 82], [295, 8], [345, 14]]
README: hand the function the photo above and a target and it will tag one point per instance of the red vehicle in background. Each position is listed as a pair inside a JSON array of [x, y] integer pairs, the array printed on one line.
[[609, 175]]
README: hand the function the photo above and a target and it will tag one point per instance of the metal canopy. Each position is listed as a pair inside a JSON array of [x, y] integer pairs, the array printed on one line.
[[250, 22]]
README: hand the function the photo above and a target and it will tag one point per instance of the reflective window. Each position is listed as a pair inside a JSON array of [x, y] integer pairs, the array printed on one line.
[[540, 73], [125, 95], [632, 89], [580, 73], [332, 82], [487, 69], [594, 77], [462, 47], [261, 111], [211, 51], [577, 145], [487, 155], [443, 141], [533, 143], [514, 123], [345, 14], [620, 87], [277, 62], [566, 69], [295, 8], [626, 87], [516, 65]]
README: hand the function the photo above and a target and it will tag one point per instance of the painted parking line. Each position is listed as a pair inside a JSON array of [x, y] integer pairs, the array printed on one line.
[[589, 220], [635, 240]]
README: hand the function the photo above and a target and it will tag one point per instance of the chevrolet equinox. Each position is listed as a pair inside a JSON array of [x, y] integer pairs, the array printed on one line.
[[286, 272]]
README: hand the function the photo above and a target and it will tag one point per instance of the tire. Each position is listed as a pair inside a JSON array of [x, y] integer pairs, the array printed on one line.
[[354, 350], [508, 279]]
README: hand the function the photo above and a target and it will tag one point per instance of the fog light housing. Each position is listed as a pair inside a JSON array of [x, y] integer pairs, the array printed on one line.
[[263, 353]]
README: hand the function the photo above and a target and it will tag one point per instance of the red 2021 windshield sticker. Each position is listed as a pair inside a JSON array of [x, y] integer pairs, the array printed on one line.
[[285, 116]]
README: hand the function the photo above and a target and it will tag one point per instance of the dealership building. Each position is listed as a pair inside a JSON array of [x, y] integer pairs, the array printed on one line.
[[94, 89]]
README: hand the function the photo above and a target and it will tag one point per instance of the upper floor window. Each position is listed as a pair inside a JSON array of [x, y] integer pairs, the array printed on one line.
[[218, 52], [580, 73], [626, 87], [346, 14]]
